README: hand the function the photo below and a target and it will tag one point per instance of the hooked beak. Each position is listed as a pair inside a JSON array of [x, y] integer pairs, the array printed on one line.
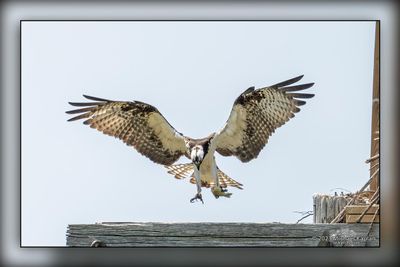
[[197, 162]]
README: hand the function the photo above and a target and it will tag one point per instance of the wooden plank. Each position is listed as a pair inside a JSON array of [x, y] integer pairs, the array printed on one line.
[[375, 110], [358, 209], [367, 218], [221, 235]]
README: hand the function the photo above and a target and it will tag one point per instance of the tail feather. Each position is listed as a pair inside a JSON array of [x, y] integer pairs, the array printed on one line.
[[225, 180], [180, 171]]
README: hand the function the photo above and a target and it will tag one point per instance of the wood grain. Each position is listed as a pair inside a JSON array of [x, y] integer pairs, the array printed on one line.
[[358, 209], [367, 218], [375, 110], [221, 235]]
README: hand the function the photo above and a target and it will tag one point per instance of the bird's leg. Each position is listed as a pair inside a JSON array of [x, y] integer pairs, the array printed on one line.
[[217, 189], [216, 181], [197, 196], [198, 184]]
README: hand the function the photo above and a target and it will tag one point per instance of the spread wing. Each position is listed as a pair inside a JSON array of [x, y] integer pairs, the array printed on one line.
[[137, 124], [255, 115]]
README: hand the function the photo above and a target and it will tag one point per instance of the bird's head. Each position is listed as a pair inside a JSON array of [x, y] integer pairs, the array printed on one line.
[[197, 154], [197, 149]]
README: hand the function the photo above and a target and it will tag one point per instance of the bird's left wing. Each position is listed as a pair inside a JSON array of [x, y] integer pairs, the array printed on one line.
[[255, 115], [137, 124]]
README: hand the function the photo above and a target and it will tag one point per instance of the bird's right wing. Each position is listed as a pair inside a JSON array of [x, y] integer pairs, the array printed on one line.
[[137, 124]]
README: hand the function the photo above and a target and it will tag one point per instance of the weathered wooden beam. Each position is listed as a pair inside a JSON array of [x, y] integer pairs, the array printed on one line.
[[221, 235], [367, 218], [375, 134], [362, 213], [358, 209]]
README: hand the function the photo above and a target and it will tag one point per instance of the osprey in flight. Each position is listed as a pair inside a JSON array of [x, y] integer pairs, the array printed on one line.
[[255, 115]]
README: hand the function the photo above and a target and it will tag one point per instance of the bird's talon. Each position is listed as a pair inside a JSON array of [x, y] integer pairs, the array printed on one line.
[[197, 196]]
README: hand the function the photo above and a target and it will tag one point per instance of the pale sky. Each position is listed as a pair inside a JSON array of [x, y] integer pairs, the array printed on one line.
[[192, 72]]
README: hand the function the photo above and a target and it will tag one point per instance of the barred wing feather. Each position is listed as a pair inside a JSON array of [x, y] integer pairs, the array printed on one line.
[[137, 124], [256, 114]]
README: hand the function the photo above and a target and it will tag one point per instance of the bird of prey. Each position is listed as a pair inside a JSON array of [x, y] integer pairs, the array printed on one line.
[[255, 115]]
